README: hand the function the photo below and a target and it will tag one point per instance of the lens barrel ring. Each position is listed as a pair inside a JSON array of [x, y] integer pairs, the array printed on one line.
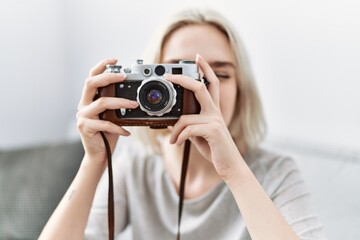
[[150, 90]]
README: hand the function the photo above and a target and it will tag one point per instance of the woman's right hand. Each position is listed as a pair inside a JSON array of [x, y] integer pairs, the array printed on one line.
[[88, 122]]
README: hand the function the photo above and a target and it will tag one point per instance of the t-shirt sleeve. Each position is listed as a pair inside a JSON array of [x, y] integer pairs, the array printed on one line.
[[289, 193], [97, 225]]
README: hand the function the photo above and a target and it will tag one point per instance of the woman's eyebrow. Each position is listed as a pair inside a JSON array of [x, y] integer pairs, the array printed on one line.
[[218, 64]]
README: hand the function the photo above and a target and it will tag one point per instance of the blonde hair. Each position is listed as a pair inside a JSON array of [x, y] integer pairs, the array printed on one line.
[[247, 125]]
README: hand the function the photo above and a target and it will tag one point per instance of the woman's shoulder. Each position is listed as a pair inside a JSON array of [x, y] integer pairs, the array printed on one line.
[[272, 168], [266, 160]]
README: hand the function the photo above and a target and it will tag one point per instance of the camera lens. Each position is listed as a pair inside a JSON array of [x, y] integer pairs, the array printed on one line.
[[159, 70], [154, 96]]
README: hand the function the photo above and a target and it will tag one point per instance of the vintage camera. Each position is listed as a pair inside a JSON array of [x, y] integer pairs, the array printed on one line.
[[161, 102]]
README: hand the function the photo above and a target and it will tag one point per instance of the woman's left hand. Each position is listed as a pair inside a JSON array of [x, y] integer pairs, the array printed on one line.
[[206, 130]]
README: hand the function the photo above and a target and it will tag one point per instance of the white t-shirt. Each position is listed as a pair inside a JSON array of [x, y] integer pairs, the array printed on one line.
[[146, 199]]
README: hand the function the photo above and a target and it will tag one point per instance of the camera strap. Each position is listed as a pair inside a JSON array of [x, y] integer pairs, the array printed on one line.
[[111, 217], [182, 183]]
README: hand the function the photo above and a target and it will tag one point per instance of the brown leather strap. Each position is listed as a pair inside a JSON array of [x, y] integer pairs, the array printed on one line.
[[182, 184], [111, 217]]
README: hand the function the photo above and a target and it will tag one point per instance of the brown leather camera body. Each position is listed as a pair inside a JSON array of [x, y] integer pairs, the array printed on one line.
[[188, 105]]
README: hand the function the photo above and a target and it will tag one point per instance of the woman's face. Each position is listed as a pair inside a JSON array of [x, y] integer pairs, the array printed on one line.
[[213, 45]]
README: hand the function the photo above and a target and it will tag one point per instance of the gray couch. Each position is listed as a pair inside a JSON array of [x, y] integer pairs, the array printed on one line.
[[33, 180], [332, 175]]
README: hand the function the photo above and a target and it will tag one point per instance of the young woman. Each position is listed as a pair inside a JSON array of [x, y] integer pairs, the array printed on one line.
[[234, 189]]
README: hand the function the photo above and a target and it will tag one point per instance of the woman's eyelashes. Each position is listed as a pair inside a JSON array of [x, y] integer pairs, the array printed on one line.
[[222, 75]]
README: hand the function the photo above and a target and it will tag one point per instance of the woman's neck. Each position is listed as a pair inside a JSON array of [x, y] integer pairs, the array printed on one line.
[[201, 176]]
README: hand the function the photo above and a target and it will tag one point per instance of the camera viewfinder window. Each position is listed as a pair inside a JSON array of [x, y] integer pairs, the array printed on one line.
[[177, 71]]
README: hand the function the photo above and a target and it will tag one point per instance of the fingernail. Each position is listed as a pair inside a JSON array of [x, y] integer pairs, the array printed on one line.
[[198, 56], [134, 103]]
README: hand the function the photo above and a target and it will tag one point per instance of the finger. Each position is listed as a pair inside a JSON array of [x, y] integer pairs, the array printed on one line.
[[184, 121], [213, 87], [91, 127], [100, 105], [190, 131], [199, 89], [93, 83], [101, 66]]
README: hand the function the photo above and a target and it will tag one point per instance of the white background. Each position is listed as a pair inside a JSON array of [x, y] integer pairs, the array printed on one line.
[[305, 56]]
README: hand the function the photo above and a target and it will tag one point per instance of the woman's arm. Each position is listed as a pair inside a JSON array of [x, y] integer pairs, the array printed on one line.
[[209, 133], [262, 218], [70, 217]]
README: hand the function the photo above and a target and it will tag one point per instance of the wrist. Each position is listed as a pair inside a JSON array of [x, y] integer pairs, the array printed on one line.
[[238, 174], [94, 161]]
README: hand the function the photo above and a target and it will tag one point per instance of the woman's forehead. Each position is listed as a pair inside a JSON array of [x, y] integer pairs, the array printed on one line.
[[204, 39]]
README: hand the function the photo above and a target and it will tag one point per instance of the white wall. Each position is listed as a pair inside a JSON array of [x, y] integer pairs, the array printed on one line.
[[33, 101], [305, 55]]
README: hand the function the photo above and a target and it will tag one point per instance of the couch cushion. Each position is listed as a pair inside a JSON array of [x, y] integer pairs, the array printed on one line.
[[332, 176], [32, 182]]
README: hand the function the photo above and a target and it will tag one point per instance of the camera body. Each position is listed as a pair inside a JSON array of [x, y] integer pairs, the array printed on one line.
[[161, 103]]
